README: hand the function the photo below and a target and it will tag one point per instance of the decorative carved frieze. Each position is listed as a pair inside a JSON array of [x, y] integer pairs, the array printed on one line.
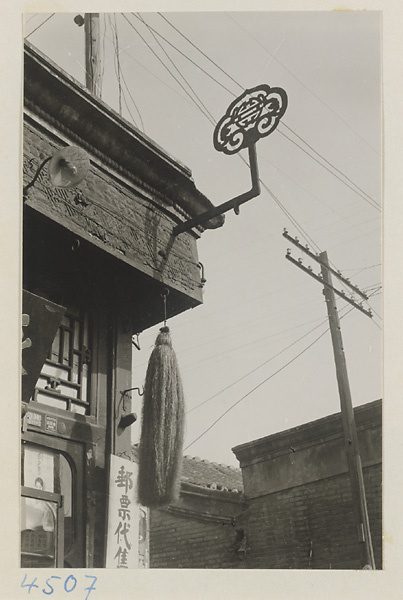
[[118, 220]]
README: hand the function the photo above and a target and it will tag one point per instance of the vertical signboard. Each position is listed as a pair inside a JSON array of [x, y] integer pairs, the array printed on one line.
[[122, 550]]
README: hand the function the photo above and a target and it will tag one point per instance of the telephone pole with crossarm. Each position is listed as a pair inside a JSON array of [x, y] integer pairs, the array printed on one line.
[[347, 412]]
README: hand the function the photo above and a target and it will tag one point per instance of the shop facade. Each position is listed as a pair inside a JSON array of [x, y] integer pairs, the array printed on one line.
[[98, 259]]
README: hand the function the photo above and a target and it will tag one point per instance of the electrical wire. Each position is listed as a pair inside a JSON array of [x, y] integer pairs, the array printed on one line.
[[201, 52], [288, 214], [293, 221], [282, 124], [164, 65], [121, 76], [185, 56], [265, 380], [255, 388], [207, 112], [371, 202], [302, 83], [113, 27], [150, 73], [257, 368], [39, 26]]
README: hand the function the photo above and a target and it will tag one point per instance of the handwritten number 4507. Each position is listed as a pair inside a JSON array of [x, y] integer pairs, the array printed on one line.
[[70, 584]]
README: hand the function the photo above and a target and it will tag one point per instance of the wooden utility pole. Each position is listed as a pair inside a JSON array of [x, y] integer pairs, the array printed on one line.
[[347, 415], [346, 406], [93, 57]]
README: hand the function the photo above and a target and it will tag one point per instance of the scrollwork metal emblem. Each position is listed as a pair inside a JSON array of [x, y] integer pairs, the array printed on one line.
[[253, 115]]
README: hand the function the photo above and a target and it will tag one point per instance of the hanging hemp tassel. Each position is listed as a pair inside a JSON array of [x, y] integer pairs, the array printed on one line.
[[161, 442]]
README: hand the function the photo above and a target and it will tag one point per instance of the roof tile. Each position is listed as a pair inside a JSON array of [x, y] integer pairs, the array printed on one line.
[[208, 474]]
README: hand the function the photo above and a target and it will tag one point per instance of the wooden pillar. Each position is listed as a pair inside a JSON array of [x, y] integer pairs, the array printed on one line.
[[93, 54]]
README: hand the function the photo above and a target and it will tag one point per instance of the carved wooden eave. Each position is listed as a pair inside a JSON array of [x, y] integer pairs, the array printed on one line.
[[51, 92], [133, 195]]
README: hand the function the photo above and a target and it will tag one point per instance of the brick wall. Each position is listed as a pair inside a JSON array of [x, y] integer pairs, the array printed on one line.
[[296, 511], [200, 531], [182, 542], [311, 526], [298, 503]]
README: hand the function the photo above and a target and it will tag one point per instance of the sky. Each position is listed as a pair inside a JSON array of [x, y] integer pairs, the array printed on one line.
[[250, 356]]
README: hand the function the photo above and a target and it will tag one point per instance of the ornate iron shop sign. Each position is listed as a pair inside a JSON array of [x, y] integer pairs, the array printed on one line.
[[255, 114], [250, 117]]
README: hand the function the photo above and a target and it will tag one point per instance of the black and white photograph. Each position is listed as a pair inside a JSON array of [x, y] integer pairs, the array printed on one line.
[[201, 297]]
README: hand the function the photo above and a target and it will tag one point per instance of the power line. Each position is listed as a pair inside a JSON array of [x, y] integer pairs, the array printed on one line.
[[360, 269], [43, 23], [292, 141], [278, 202], [265, 380], [282, 122], [228, 353], [184, 55], [328, 162], [201, 51], [256, 387], [282, 207], [258, 367], [302, 83], [371, 202], [267, 361], [207, 112], [135, 105], [155, 77], [116, 58], [162, 62], [293, 221], [121, 75]]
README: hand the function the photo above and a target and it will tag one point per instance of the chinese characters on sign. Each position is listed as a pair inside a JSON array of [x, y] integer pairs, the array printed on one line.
[[123, 516]]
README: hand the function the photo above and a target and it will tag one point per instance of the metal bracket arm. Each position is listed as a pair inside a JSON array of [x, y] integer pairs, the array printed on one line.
[[230, 204]]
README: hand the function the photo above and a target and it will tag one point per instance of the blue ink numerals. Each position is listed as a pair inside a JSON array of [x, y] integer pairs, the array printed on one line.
[[56, 583]]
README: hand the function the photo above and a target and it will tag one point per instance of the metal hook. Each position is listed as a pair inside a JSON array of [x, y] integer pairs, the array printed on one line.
[[124, 392], [136, 342], [202, 279]]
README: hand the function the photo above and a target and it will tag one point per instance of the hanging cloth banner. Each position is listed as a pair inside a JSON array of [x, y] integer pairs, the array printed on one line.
[[122, 548]]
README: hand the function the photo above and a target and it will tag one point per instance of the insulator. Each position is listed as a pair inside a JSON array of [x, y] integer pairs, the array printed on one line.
[[285, 230], [309, 268], [300, 261], [288, 251], [296, 239]]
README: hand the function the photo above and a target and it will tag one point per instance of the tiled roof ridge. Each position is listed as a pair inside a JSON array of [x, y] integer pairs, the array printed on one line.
[[208, 462], [208, 474], [221, 489]]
